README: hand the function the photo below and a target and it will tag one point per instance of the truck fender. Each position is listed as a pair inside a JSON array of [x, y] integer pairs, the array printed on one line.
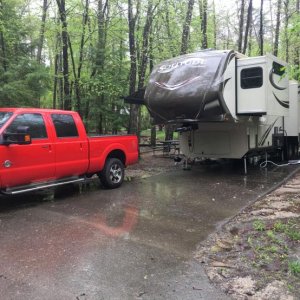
[[115, 150]]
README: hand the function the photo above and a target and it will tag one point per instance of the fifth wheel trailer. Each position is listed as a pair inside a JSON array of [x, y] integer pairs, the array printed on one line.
[[226, 105]]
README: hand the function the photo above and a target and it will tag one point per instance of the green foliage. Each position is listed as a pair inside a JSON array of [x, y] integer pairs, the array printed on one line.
[[259, 225], [23, 82]]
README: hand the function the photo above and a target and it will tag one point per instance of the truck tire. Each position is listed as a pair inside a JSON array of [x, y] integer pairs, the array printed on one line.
[[112, 175]]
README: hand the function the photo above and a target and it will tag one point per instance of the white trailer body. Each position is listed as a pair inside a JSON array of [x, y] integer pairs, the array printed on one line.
[[226, 105]]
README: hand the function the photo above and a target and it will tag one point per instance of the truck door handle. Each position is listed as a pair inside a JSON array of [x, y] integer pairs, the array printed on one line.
[[46, 147]]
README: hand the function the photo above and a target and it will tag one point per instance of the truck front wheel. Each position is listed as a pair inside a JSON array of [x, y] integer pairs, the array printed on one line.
[[112, 175]]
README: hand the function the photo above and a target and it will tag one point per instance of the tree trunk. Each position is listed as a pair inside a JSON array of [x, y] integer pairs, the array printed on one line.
[[276, 42], [170, 38], [76, 80], [42, 32], [85, 17], [248, 25], [145, 52], [261, 28], [3, 50], [186, 27], [227, 40], [67, 104], [153, 136], [214, 26], [56, 66], [151, 66], [54, 99], [61, 83], [241, 26], [169, 133], [286, 32], [297, 50], [100, 57], [250, 41], [204, 24], [271, 13], [145, 47], [2, 43], [134, 109]]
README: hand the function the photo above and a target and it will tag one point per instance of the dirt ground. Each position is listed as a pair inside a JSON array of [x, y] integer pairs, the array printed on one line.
[[255, 255], [150, 164]]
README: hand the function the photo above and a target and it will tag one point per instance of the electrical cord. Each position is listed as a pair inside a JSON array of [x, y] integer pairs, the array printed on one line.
[[265, 163]]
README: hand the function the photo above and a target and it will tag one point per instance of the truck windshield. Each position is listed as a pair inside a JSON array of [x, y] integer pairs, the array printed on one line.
[[4, 117]]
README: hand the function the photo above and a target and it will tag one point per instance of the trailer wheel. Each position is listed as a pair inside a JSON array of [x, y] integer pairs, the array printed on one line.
[[112, 175]]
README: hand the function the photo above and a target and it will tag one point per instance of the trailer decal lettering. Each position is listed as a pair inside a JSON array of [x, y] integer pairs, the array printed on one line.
[[285, 104], [173, 87], [277, 87], [193, 62]]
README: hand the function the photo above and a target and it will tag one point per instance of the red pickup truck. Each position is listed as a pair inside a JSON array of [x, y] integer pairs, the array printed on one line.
[[41, 148]]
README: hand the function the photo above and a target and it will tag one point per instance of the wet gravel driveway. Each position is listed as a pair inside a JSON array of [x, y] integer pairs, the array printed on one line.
[[135, 242]]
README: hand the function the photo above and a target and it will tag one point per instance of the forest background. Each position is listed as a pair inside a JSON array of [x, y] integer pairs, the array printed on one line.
[[85, 55]]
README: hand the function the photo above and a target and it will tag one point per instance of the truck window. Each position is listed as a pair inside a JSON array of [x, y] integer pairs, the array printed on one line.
[[33, 123], [64, 125], [4, 117], [251, 78]]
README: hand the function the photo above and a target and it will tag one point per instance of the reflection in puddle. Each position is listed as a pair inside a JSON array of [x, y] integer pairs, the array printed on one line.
[[115, 224]]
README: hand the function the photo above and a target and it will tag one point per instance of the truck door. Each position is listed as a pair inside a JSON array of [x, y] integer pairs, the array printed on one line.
[[25, 164], [71, 147]]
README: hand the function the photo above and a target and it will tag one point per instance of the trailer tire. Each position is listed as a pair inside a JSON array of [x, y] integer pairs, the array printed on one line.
[[112, 175]]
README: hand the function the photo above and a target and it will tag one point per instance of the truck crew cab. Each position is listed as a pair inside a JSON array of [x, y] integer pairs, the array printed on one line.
[[41, 148]]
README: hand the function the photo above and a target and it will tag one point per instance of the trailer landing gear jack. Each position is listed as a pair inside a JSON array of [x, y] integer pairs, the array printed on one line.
[[245, 165], [187, 165]]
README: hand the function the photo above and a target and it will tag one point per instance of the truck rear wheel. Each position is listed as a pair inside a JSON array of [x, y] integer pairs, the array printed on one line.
[[112, 176]]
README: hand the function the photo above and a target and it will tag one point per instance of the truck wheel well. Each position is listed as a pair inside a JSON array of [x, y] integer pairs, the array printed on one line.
[[118, 154]]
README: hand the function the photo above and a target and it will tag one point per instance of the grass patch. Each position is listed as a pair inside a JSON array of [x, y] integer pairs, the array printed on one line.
[[264, 249], [270, 245], [160, 134], [289, 228], [259, 225], [293, 235], [294, 267], [279, 226]]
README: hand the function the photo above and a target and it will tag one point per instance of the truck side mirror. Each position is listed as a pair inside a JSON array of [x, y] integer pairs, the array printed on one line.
[[21, 137]]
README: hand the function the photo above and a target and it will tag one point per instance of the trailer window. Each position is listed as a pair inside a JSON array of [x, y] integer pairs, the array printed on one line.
[[64, 125], [278, 69], [33, 124], [251, 78]]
